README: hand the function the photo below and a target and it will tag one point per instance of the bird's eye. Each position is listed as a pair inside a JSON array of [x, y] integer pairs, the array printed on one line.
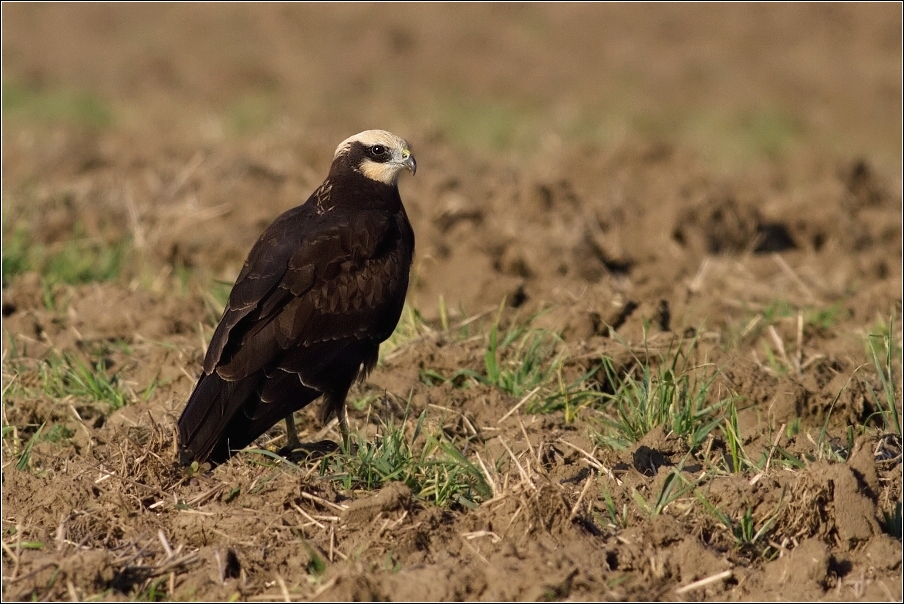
[[378, 150]]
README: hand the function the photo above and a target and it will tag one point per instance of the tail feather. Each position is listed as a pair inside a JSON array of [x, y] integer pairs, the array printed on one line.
[[223, 416], [212, 405]]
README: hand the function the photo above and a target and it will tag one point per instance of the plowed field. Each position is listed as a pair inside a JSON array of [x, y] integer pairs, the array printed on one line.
[[652, 346]]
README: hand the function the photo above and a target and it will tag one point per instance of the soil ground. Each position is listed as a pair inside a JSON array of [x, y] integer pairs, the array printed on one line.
[[717, 184]]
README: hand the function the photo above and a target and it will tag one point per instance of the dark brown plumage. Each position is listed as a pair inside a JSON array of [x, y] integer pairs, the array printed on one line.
[[321, 289]]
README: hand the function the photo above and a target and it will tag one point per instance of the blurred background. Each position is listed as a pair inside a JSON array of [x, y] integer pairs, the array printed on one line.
[[734, 82], [557, 144]]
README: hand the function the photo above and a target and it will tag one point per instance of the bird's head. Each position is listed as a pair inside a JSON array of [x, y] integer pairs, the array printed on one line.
[[377, 154]]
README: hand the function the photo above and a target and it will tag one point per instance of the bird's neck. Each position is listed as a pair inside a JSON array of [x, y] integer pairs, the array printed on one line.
[[359, 192]]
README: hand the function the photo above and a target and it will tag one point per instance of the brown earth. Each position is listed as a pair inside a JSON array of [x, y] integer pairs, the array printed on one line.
[[725, 180]]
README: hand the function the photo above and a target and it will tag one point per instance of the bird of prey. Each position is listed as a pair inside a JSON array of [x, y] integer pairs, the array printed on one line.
[[321, 289]]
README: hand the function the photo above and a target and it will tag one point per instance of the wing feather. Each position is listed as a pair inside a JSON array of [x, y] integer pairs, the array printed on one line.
[[329, 288]]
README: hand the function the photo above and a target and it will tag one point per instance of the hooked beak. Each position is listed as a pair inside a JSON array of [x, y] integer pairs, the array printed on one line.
[[409, 162]]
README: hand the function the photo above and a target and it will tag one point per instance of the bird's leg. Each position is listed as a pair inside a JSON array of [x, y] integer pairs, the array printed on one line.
[[342, 416], [292, 441]]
